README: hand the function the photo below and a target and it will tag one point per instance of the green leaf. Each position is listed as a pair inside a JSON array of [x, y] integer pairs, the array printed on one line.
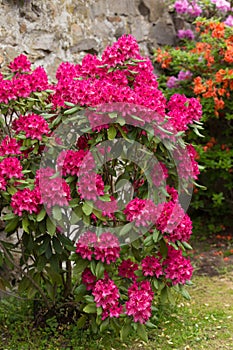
[[41, 215], [156, 235], [12, 225], [70, 104], [137, 118], [148, 241], [125, 330], [25, 224], [126, 228], [9, 216], [105, 198], [111, 133], [57, 245], [50, 226], [187, 245], [11, 190], [184, 292], [151, 325], [57, 214], [87, 208], [141, 331], [72, 110], [99, 270], [90, 308], [81, 322], [104, 325]]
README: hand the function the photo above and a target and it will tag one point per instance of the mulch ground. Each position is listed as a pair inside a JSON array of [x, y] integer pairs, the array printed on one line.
[[214, 255]]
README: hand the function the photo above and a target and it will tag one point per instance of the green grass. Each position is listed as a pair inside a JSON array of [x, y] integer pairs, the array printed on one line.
[[205, 322]]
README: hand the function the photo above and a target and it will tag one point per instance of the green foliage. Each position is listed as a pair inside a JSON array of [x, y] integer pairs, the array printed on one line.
[[208, 61]]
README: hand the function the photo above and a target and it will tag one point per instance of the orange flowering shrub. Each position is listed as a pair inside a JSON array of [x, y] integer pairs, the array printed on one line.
[[203, 69]]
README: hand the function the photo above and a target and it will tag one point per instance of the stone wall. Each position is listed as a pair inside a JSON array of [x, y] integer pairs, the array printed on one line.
[[52, 31]]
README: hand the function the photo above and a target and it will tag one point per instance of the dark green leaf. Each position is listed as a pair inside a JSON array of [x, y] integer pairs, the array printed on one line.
[[141, 331], [51, 227]]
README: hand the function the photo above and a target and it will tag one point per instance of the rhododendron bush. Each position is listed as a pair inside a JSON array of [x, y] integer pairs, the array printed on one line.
[[95, 181], [203, 69]]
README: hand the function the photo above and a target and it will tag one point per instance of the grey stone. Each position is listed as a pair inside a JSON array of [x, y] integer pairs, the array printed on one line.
[[123, 7], [68, 29], [163, 33], [156, 9], [85, 45], [44, 41]]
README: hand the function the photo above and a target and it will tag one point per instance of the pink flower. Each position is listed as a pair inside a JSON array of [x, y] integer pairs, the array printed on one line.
[[140, 301], [26, 199], [108, 208], [90, 186], [125, 48], [70, 161], [11, 167], [187, 167], [222, 5], [126, 269], [107, 248], [85, 245], [88, 279], [151, 266], [106, 295], [33, 125], [2, 183], [54, 191], [176, 267], [20, 64], [183, 111], [172, 82], [159, 174], [229, 21], [141, 211], [185, 34], [183, 75], [173, 222], [9, 146]]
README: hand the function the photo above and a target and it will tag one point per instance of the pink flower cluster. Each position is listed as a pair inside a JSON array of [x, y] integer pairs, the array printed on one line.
[[20, 64], [54, 191], [106, 295], [185, 34], [141, 211], [187, 167], [92, 84], [70, 162], [222, 5], [26, 200], [183, 110], [173, 222], [9, 146], [22, 85], [190, 8], [88, 279], [173, 82], [107, 208], [127, 268], [11, 168], [34, 126], [105, 248], [177, 268], [140, 301], [151, 266], [90, 186]]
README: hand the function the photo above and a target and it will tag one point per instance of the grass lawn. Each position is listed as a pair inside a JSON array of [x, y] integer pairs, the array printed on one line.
[[205, 322]]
